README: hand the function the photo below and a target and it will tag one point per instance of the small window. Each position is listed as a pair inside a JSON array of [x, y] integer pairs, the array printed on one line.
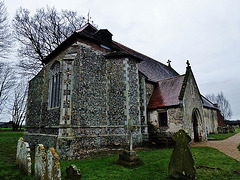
[[162, 119], [54, 90]]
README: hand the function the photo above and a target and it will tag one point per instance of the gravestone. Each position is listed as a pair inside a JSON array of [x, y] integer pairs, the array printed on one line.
[[220, 129], [128, 157], [40, 162], [225, 130], [47, 164], [181, 164], [231, 129], [53, 165], [23, 158], [73, 173]]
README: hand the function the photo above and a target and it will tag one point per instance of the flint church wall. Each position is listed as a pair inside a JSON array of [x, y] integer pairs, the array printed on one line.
[[42, 122], [99, 95]]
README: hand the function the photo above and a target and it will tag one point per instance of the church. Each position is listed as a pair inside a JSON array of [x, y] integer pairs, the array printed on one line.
[[92, 88]]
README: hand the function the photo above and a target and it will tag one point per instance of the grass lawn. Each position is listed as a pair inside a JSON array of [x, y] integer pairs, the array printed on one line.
[[223, 136], [5, 129], [210, 163], [8, 148]]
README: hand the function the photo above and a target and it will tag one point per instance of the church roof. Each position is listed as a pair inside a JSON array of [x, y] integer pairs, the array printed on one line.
[[166, 93], [152, 69], [207, 103]]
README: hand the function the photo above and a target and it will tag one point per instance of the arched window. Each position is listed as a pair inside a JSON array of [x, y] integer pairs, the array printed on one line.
[[54, 89]]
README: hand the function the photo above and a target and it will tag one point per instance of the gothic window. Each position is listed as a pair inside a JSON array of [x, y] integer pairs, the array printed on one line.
[[162, 119], [54, 90]]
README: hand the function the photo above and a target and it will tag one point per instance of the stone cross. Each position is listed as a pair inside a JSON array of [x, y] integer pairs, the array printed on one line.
[[130, 128], [169, 63]]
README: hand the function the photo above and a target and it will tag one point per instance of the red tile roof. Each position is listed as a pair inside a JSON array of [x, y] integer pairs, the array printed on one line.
[[166, 93]]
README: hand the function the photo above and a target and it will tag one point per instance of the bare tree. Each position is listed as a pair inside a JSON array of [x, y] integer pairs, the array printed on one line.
[[19, 106], [5, 34], [223, 104], [7, 82], [41, 33]]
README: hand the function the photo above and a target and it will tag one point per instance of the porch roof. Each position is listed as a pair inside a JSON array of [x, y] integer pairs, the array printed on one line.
[[166, 93]]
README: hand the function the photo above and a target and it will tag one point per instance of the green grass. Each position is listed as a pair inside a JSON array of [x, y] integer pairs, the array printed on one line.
[[9, 129], [8, 148], [210, 163], [5, 129], [213, 164], [239, 147], [223, 136]]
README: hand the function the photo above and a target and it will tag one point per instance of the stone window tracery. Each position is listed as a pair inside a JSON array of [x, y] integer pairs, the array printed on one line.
[[54, 90]]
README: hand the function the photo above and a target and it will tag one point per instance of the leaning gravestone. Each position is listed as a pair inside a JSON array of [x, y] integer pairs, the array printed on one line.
[[23, 158], [181, 163], [73, 173]]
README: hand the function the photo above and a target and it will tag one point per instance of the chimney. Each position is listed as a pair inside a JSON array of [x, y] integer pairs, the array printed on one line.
[[104, 36]]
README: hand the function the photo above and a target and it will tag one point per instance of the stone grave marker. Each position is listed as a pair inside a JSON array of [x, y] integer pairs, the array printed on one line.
[[40, 162], [128, 157], [23, 158], [47, 164], [181, 164], [231, 129], [73, 173], [53, 165]]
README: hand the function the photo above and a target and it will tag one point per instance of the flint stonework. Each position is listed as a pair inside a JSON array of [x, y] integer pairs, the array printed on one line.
[[89, 89]]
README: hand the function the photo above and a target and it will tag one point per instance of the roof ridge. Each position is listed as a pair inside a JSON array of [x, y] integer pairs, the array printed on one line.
[[85, 26], [117, 43], [174, 77], [207, 100]]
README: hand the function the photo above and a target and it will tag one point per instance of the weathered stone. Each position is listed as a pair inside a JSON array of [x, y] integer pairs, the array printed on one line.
[[73, 173], [98, 96], [129, 159], [231, 129], [53, 165], [47, 164], [40, 162], [220, 129], [225, 130], [23, 158], [182, 163]]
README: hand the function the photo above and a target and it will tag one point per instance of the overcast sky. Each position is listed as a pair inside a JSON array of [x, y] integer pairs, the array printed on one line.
[[207, 32]]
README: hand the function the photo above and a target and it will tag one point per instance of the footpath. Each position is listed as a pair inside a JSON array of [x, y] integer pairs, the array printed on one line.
[[227, 146]]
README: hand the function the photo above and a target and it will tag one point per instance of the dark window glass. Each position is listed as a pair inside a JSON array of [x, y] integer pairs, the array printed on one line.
[[55, 79], [162, 119]]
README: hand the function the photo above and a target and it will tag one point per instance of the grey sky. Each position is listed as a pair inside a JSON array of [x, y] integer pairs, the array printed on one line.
[[207, 32]]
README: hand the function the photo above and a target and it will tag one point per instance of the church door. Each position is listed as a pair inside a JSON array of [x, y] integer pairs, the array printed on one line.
[[195, 126]]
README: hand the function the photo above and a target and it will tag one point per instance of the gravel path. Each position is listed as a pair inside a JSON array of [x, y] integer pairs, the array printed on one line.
[[227, 146]]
